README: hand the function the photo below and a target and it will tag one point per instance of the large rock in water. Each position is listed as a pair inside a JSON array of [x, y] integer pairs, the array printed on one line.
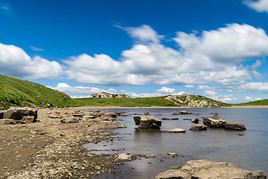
[[198, 127], [234, 126], [147, 122], [205, 169], [20, 115], [214, 122]]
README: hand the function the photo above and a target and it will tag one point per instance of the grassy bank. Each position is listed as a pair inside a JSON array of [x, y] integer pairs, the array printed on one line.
[[123, 102]]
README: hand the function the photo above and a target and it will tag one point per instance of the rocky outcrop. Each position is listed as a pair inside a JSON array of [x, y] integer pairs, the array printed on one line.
[[19, 115], [195, 101], [217, 122], [205, 169], [147, 122]]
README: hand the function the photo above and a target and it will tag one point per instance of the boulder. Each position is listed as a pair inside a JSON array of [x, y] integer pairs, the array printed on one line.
[[20, 115], [198, 127], [234, 126], [195, 120], [147, 122], [205, 169], [214, 122]]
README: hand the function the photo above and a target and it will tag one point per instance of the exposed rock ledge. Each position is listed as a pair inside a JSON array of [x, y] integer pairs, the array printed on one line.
[[205, 169]]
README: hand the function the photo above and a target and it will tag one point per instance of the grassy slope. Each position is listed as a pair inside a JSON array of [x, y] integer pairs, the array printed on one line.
[[15, 92], [255, 103], [123, 102]]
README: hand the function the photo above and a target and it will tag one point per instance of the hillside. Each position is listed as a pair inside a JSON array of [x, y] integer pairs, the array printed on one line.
[[15, 92], [262, 102], [195, 101]]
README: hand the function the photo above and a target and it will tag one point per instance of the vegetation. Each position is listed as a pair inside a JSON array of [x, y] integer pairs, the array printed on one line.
[[15, 92], [262, 102], [123, 102]]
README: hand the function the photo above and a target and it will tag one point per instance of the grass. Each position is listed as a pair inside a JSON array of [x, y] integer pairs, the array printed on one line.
[[15, 92], [123, 102], [255, 103]]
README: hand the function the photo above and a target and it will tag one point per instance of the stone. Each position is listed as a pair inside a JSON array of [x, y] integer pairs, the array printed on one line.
[[7, 121], [198, 127], [205, 169], [214, 123], [195, 120], [124, 157], [175, 130], [234, 126], [17, 113], [147, 122], [170, 119], [28, 119], [172, 154]]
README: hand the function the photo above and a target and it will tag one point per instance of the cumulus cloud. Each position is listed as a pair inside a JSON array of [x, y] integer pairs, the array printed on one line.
[[15, 61], [212, 56], [143, 33], [258, 5], [255, 86], [167, 90]]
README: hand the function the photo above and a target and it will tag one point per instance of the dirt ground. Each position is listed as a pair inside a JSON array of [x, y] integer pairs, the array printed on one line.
[[52, 149]]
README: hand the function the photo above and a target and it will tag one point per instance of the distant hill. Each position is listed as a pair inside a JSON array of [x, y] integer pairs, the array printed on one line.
[[16, 92], [262, 102]]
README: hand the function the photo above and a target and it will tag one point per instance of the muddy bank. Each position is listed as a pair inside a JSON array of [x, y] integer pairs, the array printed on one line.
[[52, 147]]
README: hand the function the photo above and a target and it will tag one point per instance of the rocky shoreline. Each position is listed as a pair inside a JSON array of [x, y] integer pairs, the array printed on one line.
[[51, 148], [49, 144]]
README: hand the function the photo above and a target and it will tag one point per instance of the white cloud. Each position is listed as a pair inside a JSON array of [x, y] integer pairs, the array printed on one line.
[[166, 90], [258, 5], [143, 33], [79, 91], [255, 86], [16, 62], [213, 56]]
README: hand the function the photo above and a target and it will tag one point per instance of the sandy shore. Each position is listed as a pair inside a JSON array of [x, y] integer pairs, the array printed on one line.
[[51, 149]]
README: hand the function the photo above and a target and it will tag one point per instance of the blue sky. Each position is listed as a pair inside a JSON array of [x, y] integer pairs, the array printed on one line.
[[214, 48]]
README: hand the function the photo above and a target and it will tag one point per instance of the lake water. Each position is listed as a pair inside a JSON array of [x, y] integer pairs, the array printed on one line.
[[249, 151]]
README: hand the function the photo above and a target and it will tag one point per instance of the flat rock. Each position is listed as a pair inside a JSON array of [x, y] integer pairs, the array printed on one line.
[[124, 157], [170, 119], [205, 169], [175, 130]]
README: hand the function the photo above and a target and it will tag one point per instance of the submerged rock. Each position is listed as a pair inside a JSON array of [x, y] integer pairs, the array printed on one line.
[[205, 169], [147, 122], [170, 119], [181, 113], [198, 127]]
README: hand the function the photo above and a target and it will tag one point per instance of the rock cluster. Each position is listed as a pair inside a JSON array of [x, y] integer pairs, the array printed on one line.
[[147, 122], [205, 169], [217, 122], [15, 115]]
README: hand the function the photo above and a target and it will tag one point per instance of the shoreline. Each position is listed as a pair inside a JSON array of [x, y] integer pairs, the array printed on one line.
[[165, 107]]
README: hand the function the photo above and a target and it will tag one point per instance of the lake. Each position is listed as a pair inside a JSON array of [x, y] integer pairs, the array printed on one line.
[[248, 151]]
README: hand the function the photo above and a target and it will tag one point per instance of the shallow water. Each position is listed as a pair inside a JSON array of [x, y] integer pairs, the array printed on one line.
[[248, 151]]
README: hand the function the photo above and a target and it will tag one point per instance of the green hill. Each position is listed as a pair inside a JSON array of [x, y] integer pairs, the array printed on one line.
[[15, 92], [262, 102]]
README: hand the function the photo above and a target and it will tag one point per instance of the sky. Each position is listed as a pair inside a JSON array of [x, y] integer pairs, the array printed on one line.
[[143, 48]]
